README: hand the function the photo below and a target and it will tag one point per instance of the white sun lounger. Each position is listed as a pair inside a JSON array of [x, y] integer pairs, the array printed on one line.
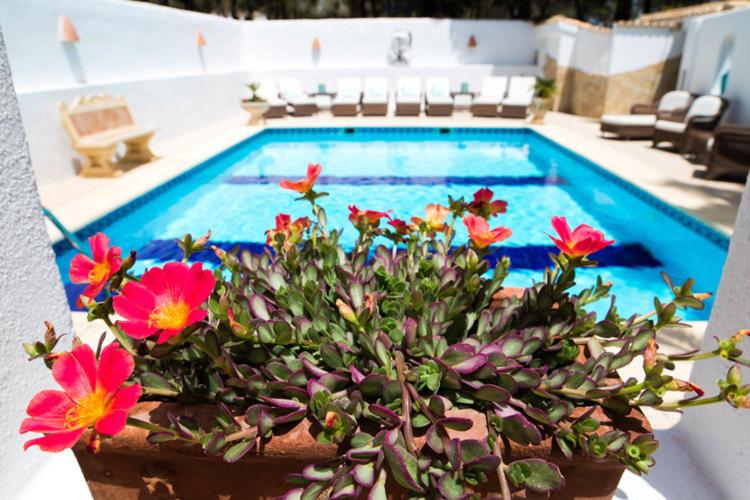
[[640, 123], [292, 93], [490, 96], [268, 91], [409, 96], [520, 94], [348, 97], [705, 112], [438, 99], [375, 98]]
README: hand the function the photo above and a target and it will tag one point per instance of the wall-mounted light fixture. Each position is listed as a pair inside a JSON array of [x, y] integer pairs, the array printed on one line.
[[66, 32], [201, 40], [316, 44], [472, 42]]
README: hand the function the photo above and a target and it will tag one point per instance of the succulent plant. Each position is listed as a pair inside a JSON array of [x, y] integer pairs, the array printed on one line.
[[378, 346]]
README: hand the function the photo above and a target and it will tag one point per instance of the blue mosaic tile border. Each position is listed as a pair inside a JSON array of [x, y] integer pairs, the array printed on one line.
[[369, 180], [713, 235]]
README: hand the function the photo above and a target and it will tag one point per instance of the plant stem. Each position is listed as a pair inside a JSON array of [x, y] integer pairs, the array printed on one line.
[[696, 357], [504, 486], [123, 339], [134, 422], [686, 403], [250, 432], [405, 403]]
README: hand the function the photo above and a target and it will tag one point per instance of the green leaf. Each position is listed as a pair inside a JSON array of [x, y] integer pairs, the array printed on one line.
[[155, 384], [489, 392], [238, 451], [536, 474], [403, 466]]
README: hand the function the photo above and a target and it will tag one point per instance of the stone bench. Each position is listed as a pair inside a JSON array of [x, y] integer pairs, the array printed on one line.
[[97, 124]]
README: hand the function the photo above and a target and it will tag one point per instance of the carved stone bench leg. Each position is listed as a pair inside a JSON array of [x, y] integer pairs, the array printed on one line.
[[138, 150], [98, 162]]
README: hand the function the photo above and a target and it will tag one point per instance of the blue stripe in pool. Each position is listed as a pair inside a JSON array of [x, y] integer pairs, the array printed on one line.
[[359, 180]]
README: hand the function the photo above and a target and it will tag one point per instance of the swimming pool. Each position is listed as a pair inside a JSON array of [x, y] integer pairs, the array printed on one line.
[[235, 195]]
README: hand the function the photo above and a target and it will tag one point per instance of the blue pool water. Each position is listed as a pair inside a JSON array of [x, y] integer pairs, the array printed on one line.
[[236, 196]]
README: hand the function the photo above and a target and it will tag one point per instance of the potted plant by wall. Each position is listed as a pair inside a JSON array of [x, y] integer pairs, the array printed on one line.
[[387, 370], [255, 104], [544, 90]]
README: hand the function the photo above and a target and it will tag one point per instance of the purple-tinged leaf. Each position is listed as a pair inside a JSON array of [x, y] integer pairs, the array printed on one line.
[[364, 474], [433, 439], [290, 404], [385, 413], [238, 451], [457, 353], [258, 307], [403, 466], [470, 365], [295, 494], [536, 474], [311, 368], [318, 472], [334, 382], [314, 386], [362, 455], [377, 492], [410, 331], [489, 392], [449, 487], [517, 427], [456, 423], [265, 423], [343, 487], [357, 376], [453, 452], [292, 416]]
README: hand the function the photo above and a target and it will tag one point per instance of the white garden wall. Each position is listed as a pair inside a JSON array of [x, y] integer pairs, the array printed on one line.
[[705, 37]]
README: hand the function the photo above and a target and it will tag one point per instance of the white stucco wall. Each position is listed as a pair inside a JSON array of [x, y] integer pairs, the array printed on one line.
[[31, 293], [704, 38], [636, 47], [718, 434]]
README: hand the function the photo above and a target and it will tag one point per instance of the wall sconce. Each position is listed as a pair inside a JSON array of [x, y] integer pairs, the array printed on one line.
[[316, 44], [316, 51], [201, 40], [66, 32], [472, 42]]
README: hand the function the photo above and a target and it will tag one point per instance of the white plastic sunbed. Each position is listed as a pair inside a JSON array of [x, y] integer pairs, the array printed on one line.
[[348, 97], [292, 92], [520, 94], [375, 98], [438, 99], [490, 96], [409, 96], [640, 123]]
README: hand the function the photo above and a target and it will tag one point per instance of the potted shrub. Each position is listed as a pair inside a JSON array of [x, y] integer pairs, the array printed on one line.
[[382, 371], [255, 104], [544, 90]]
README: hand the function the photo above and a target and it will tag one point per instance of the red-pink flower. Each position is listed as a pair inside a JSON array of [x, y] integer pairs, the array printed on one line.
[[366, 217], [93, 395], [305, 185], [166, 301], [484, 206], [581, 242], [435, 216], [400, 226], [97, 271], [292, 231], [481, 234]]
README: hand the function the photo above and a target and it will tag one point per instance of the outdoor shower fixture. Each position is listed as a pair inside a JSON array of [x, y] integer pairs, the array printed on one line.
[[400, 46]]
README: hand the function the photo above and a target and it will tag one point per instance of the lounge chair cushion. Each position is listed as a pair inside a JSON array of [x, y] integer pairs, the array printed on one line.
[[440, 100], [517, 101], [670, 126], [674, 99], [630, 120], [487, 99], [705, 105]]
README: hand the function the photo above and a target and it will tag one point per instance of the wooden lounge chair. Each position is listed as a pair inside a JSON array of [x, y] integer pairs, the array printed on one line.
[[438, 99], [490, 97], [270, 92], [704, 113], [518, 100], [375, 98], [97, 124], [729, 153], [291, 91], [639, 124], [348, 97], [409, 96]]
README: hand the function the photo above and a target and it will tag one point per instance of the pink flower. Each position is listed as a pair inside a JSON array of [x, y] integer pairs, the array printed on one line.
[[435, 216], [581, 242], [166, 301], [481, 234], [484, 206], [305, 185], [366, 217], [97, 271], [93, 395]]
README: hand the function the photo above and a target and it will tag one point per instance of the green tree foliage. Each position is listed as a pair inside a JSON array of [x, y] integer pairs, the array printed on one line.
[[596, 11]]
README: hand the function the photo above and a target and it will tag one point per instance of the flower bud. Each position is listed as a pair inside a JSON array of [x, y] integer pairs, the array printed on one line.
[[332, 419], [346, 312], [734, 375]]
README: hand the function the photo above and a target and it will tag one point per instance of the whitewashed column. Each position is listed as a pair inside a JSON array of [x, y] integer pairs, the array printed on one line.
[[30, 292]]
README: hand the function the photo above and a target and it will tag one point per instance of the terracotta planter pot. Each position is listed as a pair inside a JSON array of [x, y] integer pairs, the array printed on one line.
[[256, 110], [128, 467]]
